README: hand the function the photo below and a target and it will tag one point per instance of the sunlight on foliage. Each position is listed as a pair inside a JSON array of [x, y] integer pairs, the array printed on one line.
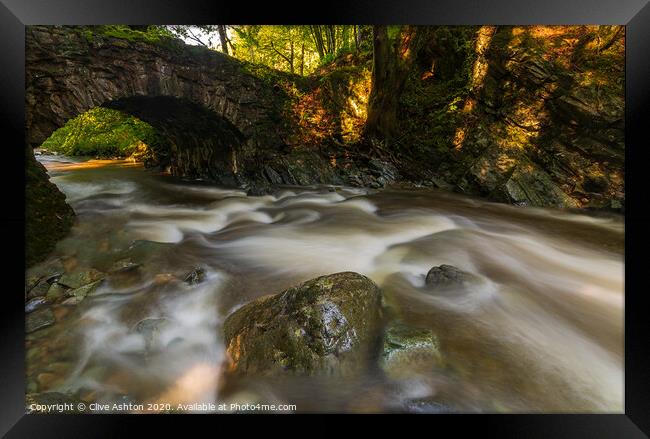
[[102, 132]]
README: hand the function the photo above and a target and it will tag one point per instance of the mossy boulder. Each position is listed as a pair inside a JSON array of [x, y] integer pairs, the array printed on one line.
[[407, 349], [327, 325], [47, 216]]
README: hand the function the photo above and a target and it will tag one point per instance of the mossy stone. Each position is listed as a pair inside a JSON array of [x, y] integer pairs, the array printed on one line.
[[327, 325], [407, 350]]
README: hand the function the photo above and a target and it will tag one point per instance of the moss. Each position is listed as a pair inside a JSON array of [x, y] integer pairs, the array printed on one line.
[[103, 132], [152, 35], [47, 217], [325, 325]]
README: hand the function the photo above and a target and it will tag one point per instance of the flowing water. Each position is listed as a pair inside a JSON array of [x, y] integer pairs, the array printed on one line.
[[540, 330]]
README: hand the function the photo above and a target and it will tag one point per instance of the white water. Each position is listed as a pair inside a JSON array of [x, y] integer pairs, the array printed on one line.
[[540, 330]]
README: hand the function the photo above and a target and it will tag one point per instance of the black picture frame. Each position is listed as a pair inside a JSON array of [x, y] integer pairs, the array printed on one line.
[[635, 14]]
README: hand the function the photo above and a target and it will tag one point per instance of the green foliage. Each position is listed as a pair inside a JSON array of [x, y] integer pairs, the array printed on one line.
[[148, 34], [288, 48], [102, 132]]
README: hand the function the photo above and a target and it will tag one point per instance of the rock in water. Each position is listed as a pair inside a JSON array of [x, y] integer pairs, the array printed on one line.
[[34, 304], [56, 291], [150, 329], [38, 290], [80, 278], [407, 349], [445, 276], [196, 276], [39, 319], [327, 325], [81, 292]]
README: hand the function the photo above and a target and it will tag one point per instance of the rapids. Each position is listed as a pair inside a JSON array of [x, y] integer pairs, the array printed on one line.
[[542, 331]]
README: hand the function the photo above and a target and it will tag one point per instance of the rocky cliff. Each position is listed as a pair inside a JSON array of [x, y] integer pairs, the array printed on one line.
[[535, 115]]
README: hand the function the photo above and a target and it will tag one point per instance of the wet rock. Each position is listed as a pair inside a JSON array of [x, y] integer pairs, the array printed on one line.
[[56, 291], [196, 276], [31, 281], [47, 216], [407, 349], [531, 185], [446, 275], [81, 292], [384, 172], [53, 277], [35, 303], [123, 266], [38, 319], [326, 325], [426, 405], [80, 278], [39, 290], [150, 329]]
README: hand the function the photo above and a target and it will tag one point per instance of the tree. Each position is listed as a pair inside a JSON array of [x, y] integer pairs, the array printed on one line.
[[204, 35], [392, 60], [223, 38]]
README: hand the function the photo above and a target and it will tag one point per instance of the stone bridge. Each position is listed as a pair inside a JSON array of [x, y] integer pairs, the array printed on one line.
[[215, 115]]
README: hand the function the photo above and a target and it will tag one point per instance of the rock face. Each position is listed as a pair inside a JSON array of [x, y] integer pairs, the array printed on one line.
[[545, 125], [47, 216], [327, 325]]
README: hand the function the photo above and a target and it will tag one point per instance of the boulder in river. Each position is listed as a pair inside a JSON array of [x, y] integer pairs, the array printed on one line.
[[407, 349], [445, 275], [327, 325]]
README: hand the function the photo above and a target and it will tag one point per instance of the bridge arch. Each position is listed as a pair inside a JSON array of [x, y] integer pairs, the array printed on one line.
[[69, 72]]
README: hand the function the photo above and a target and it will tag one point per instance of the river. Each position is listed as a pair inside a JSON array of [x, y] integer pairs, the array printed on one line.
[[542, 331]]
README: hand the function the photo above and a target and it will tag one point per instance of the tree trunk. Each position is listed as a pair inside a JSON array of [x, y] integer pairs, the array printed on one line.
[[318, 40], [291, 57], [302, 60], [391, 65], [223, 38]]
